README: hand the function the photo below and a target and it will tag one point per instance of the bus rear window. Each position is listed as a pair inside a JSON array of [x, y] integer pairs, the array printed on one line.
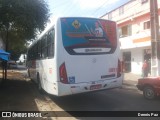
[[88, 36]]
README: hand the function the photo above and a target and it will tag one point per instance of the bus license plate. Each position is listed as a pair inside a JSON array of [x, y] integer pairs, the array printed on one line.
[[95, 87]]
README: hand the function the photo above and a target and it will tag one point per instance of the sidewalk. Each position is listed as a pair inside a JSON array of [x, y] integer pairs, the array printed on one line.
[[16, 74], [131, 76], [131, 79]]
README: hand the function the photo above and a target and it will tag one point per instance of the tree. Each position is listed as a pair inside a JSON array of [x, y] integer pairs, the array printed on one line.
[[20, 20]]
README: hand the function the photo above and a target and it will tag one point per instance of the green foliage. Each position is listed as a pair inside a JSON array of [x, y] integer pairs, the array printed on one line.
[[16, 46], [21, 19]]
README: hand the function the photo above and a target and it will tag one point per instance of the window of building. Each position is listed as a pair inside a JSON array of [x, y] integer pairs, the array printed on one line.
[[121, 10], [146, 25], [144, 1], [125, 31]]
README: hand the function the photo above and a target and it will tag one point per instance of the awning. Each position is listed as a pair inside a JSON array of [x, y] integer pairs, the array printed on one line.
[[4, 55]]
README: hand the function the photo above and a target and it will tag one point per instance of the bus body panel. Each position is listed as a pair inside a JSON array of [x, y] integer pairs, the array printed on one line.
[[47, 73], [90, 68], [87, 87]]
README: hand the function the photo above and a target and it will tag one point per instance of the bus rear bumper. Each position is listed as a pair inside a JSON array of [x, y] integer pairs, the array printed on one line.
[[69, 89]]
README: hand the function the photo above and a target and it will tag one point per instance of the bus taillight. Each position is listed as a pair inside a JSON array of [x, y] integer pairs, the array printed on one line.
[[63, 74], [119, 71]]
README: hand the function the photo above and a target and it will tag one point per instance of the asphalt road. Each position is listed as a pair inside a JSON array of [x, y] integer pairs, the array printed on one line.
[[127, 98], [22, 95]]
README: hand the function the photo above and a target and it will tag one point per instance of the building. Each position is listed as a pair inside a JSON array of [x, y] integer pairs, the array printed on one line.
[[22, 59], [133, 21]]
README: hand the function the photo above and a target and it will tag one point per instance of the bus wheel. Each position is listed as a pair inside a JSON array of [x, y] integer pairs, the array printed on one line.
[[39, 84]]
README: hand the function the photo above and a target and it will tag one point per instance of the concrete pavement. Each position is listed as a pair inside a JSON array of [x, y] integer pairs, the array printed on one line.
[[132, 76], [131, 79]]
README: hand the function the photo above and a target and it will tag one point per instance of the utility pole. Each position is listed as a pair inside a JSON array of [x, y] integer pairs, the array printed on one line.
[[5, 68], [155, 57]]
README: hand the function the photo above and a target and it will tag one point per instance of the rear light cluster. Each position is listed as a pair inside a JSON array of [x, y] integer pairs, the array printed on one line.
[[63, 74], [119, 71]]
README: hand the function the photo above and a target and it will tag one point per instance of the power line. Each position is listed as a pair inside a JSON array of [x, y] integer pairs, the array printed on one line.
[[68, 8], [131, 7], [106, 2], [104, 5]]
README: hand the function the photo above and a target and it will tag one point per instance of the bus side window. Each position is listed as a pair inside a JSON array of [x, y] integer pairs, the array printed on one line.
[[29, 55], [39, 51], [32, 54], [50, 43], [44, 47]]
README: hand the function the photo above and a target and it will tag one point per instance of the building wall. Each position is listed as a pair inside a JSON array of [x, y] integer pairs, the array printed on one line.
[[130, 10], [136, 60], [135, 13]]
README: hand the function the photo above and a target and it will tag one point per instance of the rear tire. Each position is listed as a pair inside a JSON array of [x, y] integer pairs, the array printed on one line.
[[39, 84], [149, 93]]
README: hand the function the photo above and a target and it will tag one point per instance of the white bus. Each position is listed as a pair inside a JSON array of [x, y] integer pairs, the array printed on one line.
[[76, 55]]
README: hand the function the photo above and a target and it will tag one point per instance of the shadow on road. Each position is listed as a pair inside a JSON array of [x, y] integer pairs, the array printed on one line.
[[16, 95], [17, 67], [128, 98]]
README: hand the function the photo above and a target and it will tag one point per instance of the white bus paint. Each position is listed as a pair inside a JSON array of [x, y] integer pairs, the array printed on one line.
[[67, 59]]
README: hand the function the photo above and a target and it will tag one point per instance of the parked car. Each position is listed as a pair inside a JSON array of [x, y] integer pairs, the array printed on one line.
[[12, 64], [150, 87]]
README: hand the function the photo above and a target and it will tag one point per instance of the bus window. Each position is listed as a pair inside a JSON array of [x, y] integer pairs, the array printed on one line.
[[39, 51], [50, 43], [44, 47], [88, 36]]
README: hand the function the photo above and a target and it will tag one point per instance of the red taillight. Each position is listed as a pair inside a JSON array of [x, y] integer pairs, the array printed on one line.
[[119, 71], [63, 74]]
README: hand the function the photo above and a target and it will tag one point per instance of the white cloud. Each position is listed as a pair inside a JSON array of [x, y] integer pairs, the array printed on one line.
[[93, 3]]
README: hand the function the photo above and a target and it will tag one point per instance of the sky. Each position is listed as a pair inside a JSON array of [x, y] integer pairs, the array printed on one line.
[[82, 8]]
